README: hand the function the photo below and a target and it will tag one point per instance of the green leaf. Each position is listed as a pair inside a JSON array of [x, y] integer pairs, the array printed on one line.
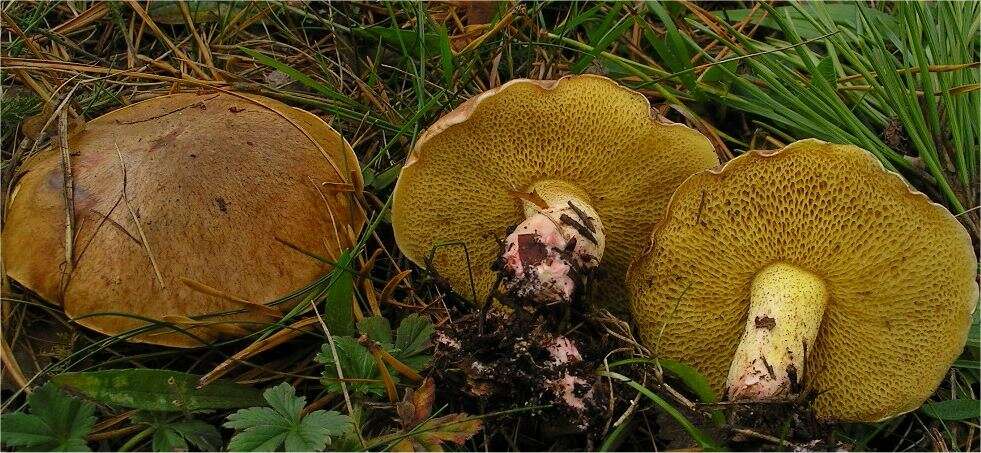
[[357, 364], [283, 425], [339, 312], [413, 335], [167, 439], [411, 338], [202, 435], [173, 432], [377, 328], [157, 390], [23, 430], [445, 55], [610, 35], [696, 382], [57, 423], [960, 409]]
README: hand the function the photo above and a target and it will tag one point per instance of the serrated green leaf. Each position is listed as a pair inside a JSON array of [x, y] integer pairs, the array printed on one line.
[[282, 425], [166, 439], [253, 416], [377, 328], [202, 435], [24, 430], [157, 390], [57, 422], [325, 424], [413, 335], [959, 409], [411, 339], [282, 398], [357, 364], [173, 432], [259, 438]]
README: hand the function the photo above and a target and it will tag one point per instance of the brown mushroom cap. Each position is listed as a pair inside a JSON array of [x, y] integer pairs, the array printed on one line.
[[457, 185], [899, 271], [215, 179]]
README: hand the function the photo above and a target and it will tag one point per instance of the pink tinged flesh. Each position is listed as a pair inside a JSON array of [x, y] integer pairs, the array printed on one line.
[[564, 351], [541, 258]]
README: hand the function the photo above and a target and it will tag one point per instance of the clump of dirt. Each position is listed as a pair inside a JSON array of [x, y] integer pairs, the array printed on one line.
[[785, 425], [505, 360]]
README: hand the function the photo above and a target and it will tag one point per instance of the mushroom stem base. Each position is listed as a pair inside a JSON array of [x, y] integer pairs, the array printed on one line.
[[786, 308], [549, 255]]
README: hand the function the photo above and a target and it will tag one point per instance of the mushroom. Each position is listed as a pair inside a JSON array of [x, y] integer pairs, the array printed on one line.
[[581, 165], [808, 270], [191, 209]]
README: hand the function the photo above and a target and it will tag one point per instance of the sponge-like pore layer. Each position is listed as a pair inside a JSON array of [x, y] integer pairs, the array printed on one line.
[[899, 271]]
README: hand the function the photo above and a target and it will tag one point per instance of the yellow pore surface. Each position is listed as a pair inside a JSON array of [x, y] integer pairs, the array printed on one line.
[[899, 270], [585, 130]]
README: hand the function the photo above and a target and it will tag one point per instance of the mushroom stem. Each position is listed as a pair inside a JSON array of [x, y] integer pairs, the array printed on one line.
[[786, 308], [550, 254]]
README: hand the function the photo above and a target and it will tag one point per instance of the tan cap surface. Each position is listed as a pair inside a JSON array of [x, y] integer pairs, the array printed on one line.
[[214, 179], [900, 272], [455, 187]]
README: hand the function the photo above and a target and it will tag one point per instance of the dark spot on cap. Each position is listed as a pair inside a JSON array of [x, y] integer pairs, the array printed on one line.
[[765, 322], [167, 139], [222, 205]]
